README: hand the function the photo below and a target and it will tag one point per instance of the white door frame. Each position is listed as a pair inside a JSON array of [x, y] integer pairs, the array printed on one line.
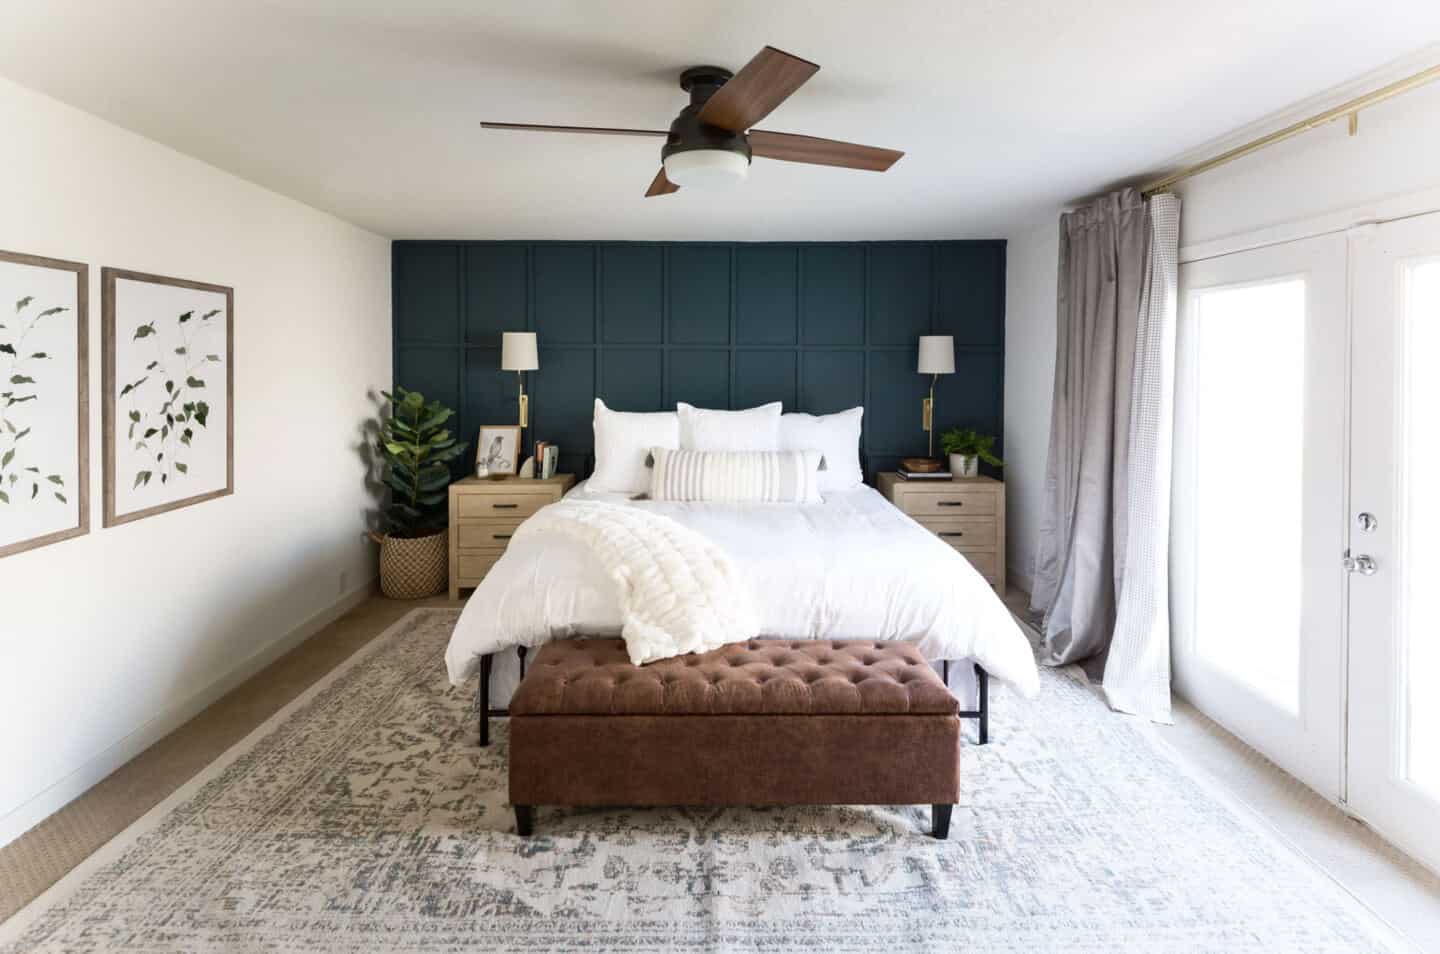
[[1379, 791], [1308, 743]]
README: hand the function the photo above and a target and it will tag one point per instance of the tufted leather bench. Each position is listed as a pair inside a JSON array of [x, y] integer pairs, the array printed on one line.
[[768, 722]]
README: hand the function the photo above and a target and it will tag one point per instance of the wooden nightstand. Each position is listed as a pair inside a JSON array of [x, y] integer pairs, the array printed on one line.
[[484, 514], [967, 513]]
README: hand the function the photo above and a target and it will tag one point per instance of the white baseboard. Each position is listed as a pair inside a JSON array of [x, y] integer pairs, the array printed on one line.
[[44, 804]]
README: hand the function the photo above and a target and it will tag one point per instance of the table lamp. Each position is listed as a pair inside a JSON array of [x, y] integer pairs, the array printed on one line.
[[518, 354], [937, 357]]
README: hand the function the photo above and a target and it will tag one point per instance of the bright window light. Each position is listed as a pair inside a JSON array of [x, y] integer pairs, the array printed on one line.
[[1250, 424], [1420, 522]]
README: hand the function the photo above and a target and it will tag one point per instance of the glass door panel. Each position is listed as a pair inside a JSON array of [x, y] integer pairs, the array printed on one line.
[[1256, 583]]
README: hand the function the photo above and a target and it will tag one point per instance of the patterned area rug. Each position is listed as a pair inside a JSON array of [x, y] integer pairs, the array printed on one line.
[[365, 817]]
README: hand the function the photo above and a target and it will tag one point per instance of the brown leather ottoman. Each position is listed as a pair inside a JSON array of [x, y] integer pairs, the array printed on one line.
[[768, 722]]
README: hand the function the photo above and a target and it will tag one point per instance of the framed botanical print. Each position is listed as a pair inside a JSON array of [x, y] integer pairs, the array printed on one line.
[[44, 401], [169, 387], [497, 453]]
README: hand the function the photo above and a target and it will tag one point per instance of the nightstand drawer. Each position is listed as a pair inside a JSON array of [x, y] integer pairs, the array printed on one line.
[[963, 533], [951, 504], [503, 505], [474, 564], [987, 563], [479, 534]]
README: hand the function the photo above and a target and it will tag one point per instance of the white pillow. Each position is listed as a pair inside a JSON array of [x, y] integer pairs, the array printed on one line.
[[757, 429], [836, 437], [622, 445], [735, 476]]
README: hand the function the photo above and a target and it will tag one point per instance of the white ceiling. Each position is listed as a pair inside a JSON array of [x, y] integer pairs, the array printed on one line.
[[371, 110]]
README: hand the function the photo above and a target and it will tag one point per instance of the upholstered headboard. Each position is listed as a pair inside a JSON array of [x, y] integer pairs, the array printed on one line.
[[819, 326]]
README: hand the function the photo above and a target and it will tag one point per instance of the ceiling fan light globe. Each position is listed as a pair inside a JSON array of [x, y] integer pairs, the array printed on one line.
[[710, 169]]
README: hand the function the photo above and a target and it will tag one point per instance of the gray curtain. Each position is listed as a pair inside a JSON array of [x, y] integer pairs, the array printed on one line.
[[1100, 578]]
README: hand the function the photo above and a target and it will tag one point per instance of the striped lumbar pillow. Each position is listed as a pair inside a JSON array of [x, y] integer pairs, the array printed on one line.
[[734, 476]]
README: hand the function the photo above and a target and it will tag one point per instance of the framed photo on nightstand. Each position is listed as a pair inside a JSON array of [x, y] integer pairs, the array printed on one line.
[[497, 452]]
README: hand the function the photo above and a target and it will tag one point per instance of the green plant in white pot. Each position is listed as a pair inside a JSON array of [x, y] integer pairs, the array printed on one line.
[[967, 447], [417, 449]]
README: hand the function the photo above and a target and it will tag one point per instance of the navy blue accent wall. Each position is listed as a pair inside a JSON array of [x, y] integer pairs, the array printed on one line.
[[819, 326]]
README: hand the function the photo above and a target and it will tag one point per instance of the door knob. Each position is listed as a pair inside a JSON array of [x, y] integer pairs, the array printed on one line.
[[1367, 522], [1364, 564]]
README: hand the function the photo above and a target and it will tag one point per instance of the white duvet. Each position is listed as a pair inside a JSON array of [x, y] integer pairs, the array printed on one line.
[[851, 567]]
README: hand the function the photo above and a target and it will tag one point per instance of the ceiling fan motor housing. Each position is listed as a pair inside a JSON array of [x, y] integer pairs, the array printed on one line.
[[687, 132]]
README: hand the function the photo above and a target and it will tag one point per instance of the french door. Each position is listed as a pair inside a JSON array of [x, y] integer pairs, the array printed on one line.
[[1393, 531], [1257, 585]]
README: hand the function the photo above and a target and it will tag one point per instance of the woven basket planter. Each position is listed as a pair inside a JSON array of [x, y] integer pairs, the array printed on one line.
[[412, 568]]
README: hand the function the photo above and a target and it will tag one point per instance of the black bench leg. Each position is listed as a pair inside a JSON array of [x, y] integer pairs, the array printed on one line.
[[484, 700], [525, 820], [982, 683], [940, 821]]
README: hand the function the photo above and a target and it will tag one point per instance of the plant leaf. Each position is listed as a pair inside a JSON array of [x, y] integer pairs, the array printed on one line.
[[24, 301], [186, 317], [135, 416], [6, 349], [194, 382], [144, 331], [141, 477], [56, 479], [181, 467], [21, 379]]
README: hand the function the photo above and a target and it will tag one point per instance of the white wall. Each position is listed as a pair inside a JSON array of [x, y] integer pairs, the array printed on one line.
[[1298, 186], [108, 640], [1030, 278], [1318, 173]]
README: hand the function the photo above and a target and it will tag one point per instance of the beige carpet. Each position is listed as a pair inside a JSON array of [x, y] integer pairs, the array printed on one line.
[[363, 815]]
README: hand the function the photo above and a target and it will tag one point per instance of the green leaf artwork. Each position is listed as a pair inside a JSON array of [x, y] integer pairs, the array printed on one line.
[[163, 410], [20, 404]]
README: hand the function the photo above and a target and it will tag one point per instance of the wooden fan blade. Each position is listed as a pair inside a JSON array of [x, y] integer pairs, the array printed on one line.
[[761, 85], [661, 185], [594, 130], [821, 152]]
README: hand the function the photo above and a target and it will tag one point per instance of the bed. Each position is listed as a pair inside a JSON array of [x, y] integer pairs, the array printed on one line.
[[848, 567]]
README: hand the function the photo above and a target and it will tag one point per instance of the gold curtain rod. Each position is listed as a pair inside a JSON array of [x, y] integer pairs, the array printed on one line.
[[1350, 109]]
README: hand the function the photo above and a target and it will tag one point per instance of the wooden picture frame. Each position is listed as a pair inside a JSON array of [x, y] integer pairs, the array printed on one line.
[[27, 322], [137, 306], [506, 452]]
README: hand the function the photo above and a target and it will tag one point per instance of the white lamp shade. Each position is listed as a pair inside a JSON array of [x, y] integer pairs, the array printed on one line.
[[706, 168], [937, 354], [517, 351]]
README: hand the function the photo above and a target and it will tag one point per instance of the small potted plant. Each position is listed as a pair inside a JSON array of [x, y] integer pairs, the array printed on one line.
[[416, 449], [967, 447]]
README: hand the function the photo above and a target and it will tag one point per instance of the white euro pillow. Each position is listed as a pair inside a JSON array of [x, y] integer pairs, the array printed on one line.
[[623, 440], [755, 429], [836, 437], [735, 476]]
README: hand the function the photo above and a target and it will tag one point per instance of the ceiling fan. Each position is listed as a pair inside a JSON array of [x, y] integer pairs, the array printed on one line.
[[711, 142]]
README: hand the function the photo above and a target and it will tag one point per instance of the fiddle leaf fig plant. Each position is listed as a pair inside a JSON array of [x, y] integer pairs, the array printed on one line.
[[417, 450], [968, 442]]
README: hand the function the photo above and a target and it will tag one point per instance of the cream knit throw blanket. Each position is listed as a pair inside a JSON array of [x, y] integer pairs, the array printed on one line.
[[679, 593]]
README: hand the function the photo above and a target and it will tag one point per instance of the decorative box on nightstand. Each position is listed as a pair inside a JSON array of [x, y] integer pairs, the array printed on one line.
[[483, 517], [967, 513]]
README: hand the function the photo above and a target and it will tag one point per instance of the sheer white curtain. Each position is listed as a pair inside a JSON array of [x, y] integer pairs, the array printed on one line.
[[1101, 580]]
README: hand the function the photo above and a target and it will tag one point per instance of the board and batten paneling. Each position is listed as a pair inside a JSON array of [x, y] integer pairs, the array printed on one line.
[[820, 326]]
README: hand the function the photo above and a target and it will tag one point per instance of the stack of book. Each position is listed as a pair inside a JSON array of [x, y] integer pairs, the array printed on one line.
[[547, 459]]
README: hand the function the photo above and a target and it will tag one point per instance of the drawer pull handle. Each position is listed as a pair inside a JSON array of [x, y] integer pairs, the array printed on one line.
[[951, 533], [950, 503], [501, 536], [505, 506]]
